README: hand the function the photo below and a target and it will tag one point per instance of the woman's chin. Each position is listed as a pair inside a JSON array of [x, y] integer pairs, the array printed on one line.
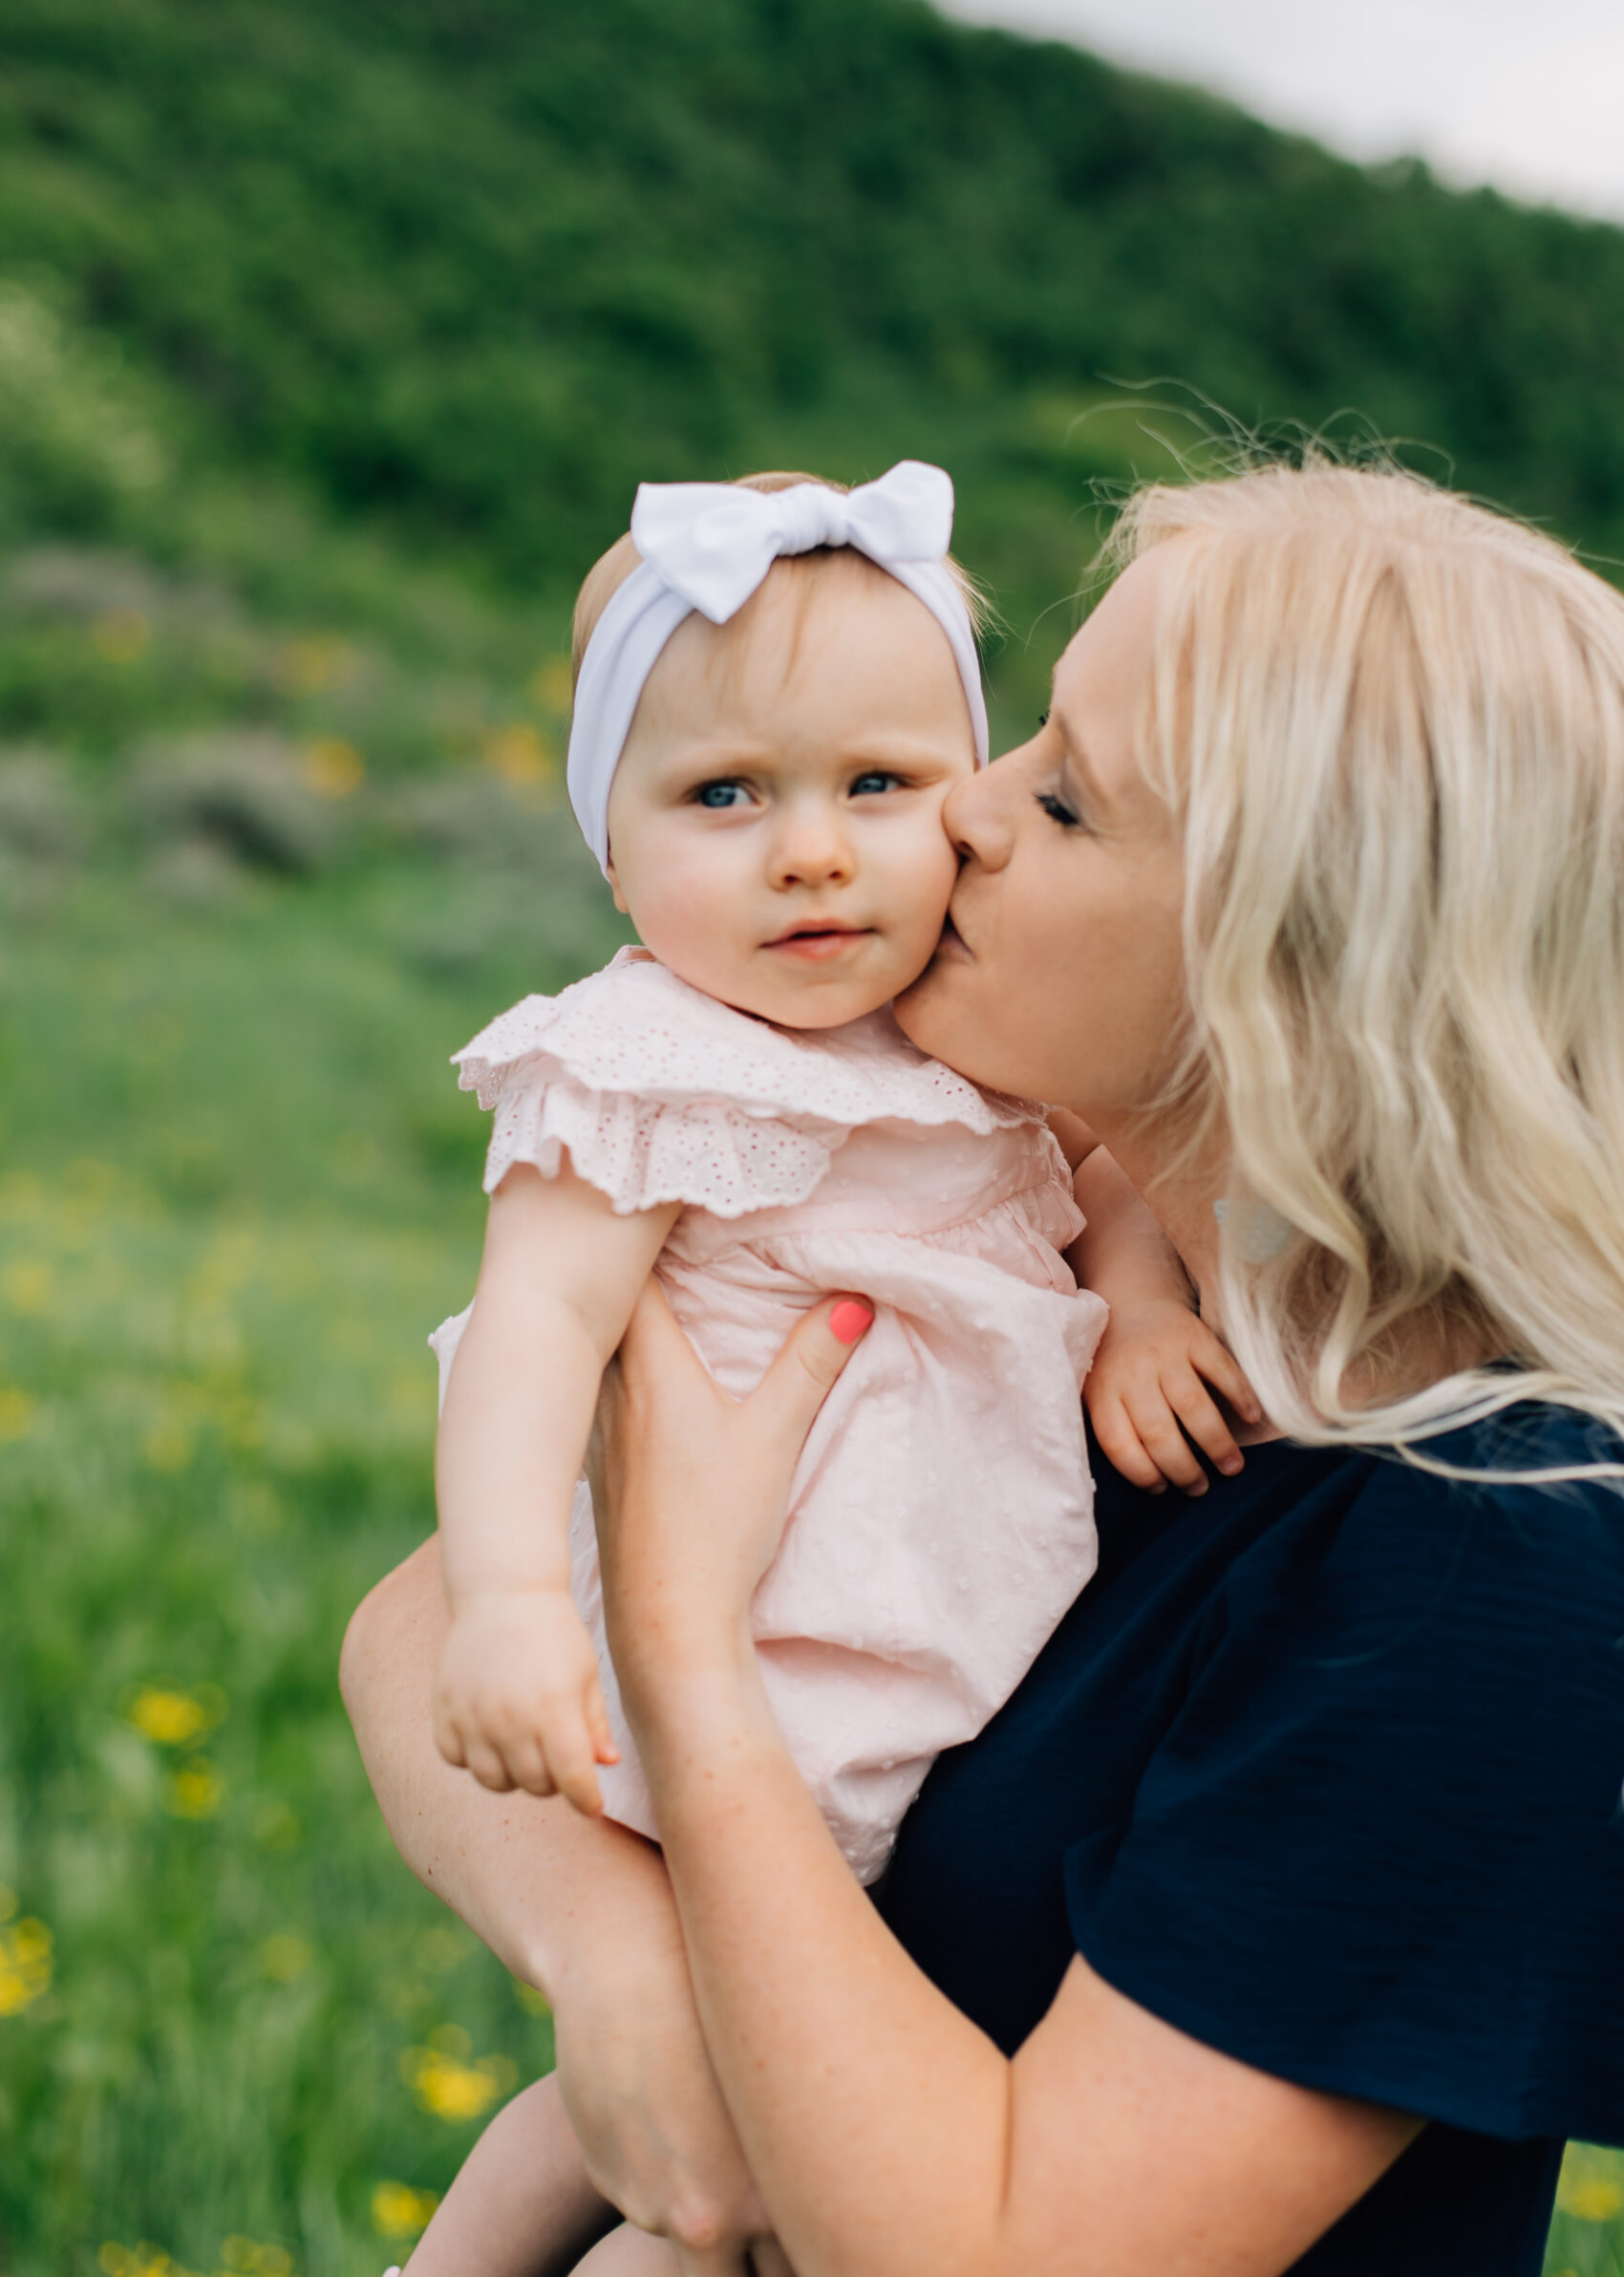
[[926, 1016]]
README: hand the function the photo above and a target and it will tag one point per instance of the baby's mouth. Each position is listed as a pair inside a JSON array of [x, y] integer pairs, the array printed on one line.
[[819, 940]]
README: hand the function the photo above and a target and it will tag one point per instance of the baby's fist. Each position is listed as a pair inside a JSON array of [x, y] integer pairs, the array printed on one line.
[[1149, 1387], [517, 1699]]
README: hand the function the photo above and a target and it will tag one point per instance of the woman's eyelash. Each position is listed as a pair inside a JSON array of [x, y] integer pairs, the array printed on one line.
[[1043, 718], [1058, 811]]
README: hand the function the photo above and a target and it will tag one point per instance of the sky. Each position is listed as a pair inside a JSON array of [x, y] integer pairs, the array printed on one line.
[[1531, 98]]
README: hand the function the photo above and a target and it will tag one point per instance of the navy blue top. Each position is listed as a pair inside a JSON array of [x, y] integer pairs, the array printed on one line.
[[1324, 1769]]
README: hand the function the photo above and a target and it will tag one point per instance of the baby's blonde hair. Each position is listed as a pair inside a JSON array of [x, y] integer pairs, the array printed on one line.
[[610, 570], [1392, 724]]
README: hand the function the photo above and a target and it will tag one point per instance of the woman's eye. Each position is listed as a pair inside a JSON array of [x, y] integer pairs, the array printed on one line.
[[1058, 811], [716, 795], [876, 780]]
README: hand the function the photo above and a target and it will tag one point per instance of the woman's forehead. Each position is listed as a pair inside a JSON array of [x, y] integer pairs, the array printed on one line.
[[1105, 675]]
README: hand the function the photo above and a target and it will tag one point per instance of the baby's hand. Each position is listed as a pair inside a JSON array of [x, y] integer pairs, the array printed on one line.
[[518, 1701], [1147, 1380]]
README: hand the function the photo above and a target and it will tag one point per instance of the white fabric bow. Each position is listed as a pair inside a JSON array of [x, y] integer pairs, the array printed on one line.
[[708, 546], [713, 542]]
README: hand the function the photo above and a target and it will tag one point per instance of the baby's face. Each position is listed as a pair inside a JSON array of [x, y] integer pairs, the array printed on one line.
[[776, 821]]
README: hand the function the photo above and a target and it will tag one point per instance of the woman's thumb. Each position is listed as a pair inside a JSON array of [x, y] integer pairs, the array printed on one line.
[[796, 1385]]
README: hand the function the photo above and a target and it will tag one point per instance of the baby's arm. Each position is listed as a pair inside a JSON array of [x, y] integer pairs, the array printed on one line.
[[517, 1700], [1146, 1392]]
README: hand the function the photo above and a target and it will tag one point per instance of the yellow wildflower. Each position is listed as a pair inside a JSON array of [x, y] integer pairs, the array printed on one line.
[[145, 2260], [17, 1412], [26, 1284], [172, 1719], [400, 2211], [451, 2087], [244, 2258], [168, 1447], [196, 1791], [120, 635], [1592, 2201], [333, 769], [1591, 2188], [284, 1956], [319, 660], [520, 754], [25, 1962]]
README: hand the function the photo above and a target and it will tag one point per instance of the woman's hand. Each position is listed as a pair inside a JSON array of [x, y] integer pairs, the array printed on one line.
[[691, 1487], [643, 2100]]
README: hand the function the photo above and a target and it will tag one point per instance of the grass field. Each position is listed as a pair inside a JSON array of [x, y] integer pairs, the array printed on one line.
[[238, 1188]]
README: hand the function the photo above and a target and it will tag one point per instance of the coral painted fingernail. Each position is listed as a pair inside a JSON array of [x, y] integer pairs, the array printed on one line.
[[849, 1319]]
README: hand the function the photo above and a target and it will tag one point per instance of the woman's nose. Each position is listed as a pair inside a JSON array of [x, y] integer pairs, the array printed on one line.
[[979, 816], [810, 847]]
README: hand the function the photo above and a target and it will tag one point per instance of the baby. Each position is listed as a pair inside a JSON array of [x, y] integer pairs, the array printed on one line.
[[776, 689]]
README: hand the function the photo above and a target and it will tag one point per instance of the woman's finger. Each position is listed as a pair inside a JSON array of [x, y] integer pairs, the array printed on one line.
[[654, 1347], [789, 1395]]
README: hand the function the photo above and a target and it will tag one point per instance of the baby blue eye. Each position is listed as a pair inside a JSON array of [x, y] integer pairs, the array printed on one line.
[[721, 794], [865, 786]]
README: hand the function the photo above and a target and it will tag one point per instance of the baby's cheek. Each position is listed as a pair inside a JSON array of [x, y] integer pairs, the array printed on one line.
[[925, 884]]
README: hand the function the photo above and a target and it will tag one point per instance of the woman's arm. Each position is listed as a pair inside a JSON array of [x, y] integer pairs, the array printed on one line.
[[889, 2135], [518, 1700], [578, 1907]]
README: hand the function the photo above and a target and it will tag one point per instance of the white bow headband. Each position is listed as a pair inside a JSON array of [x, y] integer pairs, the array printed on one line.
[[708, 546]]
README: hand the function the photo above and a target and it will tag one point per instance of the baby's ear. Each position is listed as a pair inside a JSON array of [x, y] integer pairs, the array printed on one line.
[[614, 887]]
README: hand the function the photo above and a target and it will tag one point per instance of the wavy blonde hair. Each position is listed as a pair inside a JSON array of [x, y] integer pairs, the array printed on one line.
[[1392, 724]]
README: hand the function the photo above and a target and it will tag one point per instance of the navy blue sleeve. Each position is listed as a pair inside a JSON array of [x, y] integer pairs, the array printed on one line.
[[1379, 1849]]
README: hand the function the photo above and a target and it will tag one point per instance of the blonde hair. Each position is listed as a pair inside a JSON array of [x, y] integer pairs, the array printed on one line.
[[610, 570], [1391, 725]]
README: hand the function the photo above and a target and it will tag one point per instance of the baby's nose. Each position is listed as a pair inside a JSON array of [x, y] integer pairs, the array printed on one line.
[[810, 847]]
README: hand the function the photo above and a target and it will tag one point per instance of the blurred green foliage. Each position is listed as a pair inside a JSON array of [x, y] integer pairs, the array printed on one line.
[[474, 268], [333, 340]]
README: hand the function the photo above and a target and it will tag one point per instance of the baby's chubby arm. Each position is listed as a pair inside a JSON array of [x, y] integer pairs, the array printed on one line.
[[517, 1697], [1148, 1392]]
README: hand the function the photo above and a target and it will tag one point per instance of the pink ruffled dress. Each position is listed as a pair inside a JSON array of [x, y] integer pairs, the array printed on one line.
[[941, 1519]]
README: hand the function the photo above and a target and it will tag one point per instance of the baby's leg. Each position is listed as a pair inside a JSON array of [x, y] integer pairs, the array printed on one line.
[[628, 2252], [522, 2205]]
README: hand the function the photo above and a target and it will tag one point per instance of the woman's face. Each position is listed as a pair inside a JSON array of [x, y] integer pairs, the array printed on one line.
[[1060, 975]]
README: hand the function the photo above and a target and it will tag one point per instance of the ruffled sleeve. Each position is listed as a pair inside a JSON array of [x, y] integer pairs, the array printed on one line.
[[660, 1094], [557, 1078]]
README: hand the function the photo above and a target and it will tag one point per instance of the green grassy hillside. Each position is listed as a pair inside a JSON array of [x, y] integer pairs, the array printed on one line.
[[473, 268]]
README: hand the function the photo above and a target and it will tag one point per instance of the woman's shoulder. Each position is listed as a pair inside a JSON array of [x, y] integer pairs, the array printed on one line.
[[1499, 1542], [1523, 1508], [635, 1028]]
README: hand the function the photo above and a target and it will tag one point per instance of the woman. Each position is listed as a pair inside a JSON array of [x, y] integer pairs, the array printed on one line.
[[1273, 1923]]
